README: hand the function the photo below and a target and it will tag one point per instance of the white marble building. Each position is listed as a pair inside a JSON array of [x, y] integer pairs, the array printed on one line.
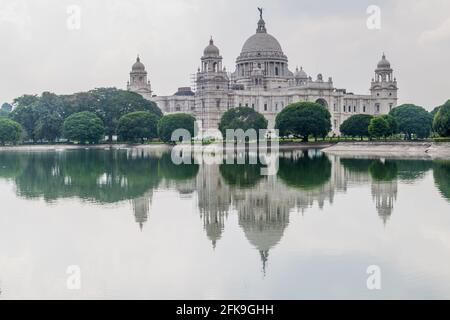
[[263, 81]]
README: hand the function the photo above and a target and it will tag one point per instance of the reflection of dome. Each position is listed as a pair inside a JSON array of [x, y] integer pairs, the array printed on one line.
[[211, 50], [384, 63], [138, 65]]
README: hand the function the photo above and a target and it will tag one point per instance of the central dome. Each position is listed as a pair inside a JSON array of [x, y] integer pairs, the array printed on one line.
[[261, 42]]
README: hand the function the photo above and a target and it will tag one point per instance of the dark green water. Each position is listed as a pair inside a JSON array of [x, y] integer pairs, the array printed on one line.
[[138, 226]]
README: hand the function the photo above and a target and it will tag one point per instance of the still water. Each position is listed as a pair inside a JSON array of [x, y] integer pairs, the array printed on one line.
[[134, 225]]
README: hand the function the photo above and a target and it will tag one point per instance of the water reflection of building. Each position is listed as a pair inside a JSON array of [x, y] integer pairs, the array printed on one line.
[[214, 200], [141, 208], [384, 195]]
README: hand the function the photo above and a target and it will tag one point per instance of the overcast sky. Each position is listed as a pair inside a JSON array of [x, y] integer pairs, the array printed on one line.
[[39, 52]]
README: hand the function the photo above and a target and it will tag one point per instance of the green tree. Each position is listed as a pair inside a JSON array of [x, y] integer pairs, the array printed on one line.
[[49, 117], [413, 120], [5, 110], [83, 127], [169, 123], [356, 126], [392, 124], [244, 118], [110, 104], [6, 107], [378, 127], [10, 131], [303, 119], [441, 123], [25, 113], [138, 126]]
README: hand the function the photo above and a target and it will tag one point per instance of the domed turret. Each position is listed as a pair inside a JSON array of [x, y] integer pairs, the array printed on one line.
[[138, 65], [300, 74], [138, 80], [211, 50], [384, 63]]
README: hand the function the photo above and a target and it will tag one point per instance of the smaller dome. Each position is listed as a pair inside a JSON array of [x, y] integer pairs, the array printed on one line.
[[138, 65], [384, 63], [300, 74], [211, 49]]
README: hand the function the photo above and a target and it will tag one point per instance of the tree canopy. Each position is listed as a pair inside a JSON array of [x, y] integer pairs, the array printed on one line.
[[10, 131], [244, 118], [138, 126], [84, 127], [378, 127], [441, 123], [303, 119], [413, 120], [42, 116], [169, 123], [356, 126]]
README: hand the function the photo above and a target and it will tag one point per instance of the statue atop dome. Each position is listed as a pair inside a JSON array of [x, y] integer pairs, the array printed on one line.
[[260, 13]]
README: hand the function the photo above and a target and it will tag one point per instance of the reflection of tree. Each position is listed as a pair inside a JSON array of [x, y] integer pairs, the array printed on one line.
[[411, 170], [441, 172], [241, 176], [103, 176], [305, 172], [171, 171], [357, 165], [386, 171]]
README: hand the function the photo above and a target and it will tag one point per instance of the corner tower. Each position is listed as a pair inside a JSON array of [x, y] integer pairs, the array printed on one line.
[[212, 84], [384, 88], [138, 80]]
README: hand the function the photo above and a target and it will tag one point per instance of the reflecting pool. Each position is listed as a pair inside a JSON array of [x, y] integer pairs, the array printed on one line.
[[134, 225]]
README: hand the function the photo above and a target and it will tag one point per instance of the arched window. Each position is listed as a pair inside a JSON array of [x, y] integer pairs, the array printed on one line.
[[277, 71]]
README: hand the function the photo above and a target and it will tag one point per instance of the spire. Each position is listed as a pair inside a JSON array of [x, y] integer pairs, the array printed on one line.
[[264, 258], [138, 59], [211, 41], [261, 23]]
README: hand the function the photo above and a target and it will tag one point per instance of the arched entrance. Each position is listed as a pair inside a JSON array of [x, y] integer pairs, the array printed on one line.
[[322, 102]]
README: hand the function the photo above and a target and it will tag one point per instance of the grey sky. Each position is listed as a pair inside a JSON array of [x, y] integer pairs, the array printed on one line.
[[39, 53]]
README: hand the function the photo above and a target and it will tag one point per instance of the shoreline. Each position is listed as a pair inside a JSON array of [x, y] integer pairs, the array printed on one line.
[[405, 149]]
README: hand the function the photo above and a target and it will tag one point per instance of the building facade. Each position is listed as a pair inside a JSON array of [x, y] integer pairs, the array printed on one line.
[[262, 80]]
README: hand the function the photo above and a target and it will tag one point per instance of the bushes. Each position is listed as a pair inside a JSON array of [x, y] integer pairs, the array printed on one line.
[[356, 126], [304, 119], [10, 131], [169, 123], [441, 123], [413, 120], [244, 118], [138, 126], [84, 127], [378, 127]]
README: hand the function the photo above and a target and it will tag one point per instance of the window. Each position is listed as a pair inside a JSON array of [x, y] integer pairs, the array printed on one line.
[[253, 106], [335, 108], [344, 109], [240, 104], [177, 108], [377, 108], [265, 107], [218, 103], [276, 71], [390, 106], [364, 108], [354, 108], [246, 105]]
